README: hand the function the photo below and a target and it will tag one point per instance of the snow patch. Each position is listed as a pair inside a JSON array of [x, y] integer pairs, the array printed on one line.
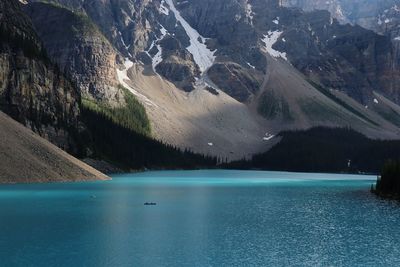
[[124, 44], [269, 40], [123, 78], [276, 21], [251, 66], [203, 56], [163, 9], [376, 101], [157, 58], [268, 137], [397, 38], [210, 144], [249, 12]]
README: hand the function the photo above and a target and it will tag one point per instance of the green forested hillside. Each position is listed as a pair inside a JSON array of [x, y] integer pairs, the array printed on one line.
[[132, 116], [122, 137]]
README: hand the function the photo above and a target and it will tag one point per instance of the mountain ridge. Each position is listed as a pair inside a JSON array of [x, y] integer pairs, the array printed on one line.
[[235, 40], [222, 79]]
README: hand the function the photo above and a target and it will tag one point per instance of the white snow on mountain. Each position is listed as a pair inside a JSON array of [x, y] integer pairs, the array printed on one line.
[[157, 58], [203, 56], [124, 44], [123, 78], [251, 66], [249, 12], [269, 40], [163, 9], [268, 137]]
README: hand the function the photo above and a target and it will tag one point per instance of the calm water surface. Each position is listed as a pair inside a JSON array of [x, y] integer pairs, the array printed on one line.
[[202, 218]]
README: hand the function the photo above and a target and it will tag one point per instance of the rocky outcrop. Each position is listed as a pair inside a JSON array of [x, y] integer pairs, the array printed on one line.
[[79, 49], [177, 64], [32, 90], [235, 80]]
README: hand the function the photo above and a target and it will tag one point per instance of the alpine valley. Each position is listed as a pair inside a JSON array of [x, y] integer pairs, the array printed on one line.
[[183, 84]]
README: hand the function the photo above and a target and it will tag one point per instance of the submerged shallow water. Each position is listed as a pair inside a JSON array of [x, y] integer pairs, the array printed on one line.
[[202, 218]]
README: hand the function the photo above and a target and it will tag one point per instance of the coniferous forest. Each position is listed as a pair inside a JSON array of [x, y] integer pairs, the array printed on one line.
[[129, 150], [320, 149], [388, 183]]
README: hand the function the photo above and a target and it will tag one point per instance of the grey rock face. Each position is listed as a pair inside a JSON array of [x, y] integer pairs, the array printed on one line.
[[341, 57], [235, 80], [79, 49], [381, 16], [32, 90], [370, 14]]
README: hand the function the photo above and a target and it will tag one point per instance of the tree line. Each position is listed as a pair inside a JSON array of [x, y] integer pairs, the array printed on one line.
[[133, 150], [388, 183], [336, 150]]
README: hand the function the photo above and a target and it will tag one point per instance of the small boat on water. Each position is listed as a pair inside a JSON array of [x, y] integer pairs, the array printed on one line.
[[150, 203]]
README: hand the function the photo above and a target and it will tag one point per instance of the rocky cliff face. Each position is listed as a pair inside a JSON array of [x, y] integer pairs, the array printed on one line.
[[381, 16], [372, 14], [222, 44], [296, 69], [32, 90], [79, 49], [341, 57]]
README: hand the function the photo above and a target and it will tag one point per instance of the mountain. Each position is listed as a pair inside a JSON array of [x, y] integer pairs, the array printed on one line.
[[42, 86], [32, 89], [26, 157], [381, 16], [79, 49], [222, 79], [373, 14], [36, 93]]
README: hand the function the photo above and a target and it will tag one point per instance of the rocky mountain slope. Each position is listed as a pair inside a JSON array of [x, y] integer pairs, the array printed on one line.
[[372, 14], [223, 77], [80, 50], [26, 157], [381, 16], [32, 89], [51, 99]]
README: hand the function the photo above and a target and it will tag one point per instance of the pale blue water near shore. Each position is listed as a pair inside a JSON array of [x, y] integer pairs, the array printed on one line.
[[202, 218]]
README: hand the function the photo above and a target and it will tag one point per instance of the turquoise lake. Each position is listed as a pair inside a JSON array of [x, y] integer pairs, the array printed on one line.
[[202, 218]]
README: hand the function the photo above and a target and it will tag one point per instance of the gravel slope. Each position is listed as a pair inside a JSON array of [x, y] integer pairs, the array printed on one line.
[[27, 158]]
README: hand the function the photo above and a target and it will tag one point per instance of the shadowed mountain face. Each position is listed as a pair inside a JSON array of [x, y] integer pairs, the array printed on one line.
[[212, 74], [371, 14], [80, 50], [381, 16], [32, 90], [181, 41]]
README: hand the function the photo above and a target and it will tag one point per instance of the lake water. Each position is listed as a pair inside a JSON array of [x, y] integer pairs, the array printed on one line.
[[202, 218]]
